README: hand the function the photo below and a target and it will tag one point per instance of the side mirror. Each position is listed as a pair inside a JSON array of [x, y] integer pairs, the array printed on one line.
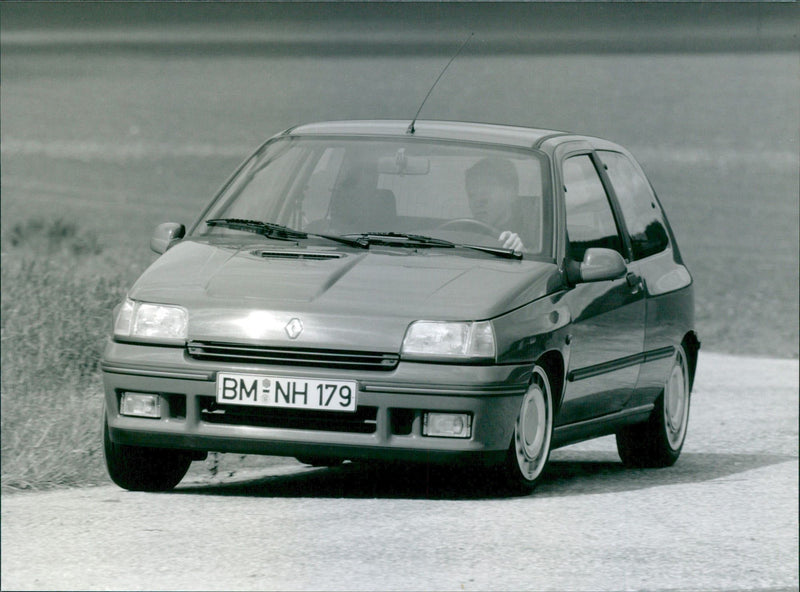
[[165, 235], [598, 265]]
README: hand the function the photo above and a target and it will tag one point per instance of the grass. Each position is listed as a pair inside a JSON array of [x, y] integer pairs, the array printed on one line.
[[738, 234], [60, 285], [56, 313]]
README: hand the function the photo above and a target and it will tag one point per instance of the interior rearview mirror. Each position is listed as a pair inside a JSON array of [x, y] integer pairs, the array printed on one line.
[[400, 164], [165, 235]]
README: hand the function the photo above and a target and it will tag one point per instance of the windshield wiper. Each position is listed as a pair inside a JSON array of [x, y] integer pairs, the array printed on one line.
[[279, 232], [404, 239], [256, 226]]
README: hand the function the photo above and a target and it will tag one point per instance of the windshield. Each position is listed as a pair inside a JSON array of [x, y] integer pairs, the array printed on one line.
[[459, 192]]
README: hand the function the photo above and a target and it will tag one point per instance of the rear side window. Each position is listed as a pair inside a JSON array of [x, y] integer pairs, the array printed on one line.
[[642, 215], [590, 221]]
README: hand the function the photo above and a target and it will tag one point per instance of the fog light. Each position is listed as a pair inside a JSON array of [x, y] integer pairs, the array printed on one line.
[[447, 425], [140, 405]]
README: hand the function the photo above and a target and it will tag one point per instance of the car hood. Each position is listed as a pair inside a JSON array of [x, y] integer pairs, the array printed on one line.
[[343, 297]]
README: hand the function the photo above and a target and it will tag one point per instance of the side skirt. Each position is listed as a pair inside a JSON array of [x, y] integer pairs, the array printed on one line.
[[599, 426]]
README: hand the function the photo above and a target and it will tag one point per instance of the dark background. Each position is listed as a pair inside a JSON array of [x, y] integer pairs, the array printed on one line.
[[122, 115]]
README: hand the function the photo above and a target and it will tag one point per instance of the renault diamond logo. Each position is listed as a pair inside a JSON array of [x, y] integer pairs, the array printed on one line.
[[294, 328]]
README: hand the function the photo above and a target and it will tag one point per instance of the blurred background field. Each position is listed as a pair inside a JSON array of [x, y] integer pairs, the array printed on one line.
[[116, 117]]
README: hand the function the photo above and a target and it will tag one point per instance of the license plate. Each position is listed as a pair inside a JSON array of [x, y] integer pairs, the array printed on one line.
[[288, 392]]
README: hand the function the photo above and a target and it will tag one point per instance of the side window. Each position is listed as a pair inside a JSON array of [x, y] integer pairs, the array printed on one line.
[[642, 215], [590, 221]]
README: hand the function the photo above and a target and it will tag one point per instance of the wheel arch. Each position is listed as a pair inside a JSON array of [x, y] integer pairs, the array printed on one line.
[[553, 363], [691, 345]]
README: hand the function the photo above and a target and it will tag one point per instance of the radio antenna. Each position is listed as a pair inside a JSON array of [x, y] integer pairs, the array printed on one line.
[[410, 129]]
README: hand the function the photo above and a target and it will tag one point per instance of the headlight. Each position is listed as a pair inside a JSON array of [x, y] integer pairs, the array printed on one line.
[[463, 340], [159, 322]]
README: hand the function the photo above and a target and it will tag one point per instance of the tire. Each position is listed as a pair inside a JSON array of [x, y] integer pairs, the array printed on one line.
[[658, 441], [138, 468], [529, 450]]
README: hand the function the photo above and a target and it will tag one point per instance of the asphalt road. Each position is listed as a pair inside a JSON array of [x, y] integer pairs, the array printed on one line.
[[725, 517]]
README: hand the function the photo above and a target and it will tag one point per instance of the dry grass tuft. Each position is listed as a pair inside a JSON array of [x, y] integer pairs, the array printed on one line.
[[58, 292], [47, 236]]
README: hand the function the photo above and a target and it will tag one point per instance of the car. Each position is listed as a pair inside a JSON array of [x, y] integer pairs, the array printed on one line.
[[440, 292]]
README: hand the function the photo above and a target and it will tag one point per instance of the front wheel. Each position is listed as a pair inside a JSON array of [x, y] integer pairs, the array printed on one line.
[[530, 446], [658, 442], [138, 468]]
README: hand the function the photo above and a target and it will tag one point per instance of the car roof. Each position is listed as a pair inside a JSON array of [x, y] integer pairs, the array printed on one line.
[[442, 130]]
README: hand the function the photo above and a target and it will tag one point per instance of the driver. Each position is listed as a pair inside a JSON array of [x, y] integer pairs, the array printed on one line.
[[492, 189]]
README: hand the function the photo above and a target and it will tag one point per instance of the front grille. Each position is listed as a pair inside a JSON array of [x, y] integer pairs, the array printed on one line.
[[320, 358], [363, 421]]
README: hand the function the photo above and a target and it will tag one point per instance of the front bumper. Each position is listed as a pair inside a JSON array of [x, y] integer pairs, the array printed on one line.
[[387, 424]]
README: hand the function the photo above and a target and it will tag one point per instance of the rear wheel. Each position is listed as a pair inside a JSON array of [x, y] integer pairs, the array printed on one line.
[[138, 468], [658, 441], [530, 447]]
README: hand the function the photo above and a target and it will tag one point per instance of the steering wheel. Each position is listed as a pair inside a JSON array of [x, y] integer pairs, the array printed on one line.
[[477, 225]]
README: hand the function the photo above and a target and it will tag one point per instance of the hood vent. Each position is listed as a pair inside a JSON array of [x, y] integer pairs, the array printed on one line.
[[304, 255]]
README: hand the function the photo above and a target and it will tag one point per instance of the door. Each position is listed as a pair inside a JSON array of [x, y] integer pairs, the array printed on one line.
[[655, 262], [608, 317]]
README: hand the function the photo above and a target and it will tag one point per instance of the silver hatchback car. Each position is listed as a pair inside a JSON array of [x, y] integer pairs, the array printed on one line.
[[443, 292]]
